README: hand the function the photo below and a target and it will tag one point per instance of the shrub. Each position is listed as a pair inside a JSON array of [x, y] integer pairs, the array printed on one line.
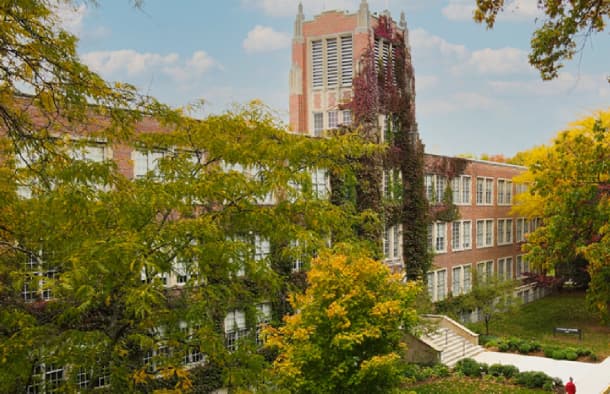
[[507, 371], [514, 343], [533, 379], [548, 351], [558, 354], [525, 348], [593, 357], [583, 352], [440, 370], [470, 367], [534, 346], [570, 355], [503, 347]]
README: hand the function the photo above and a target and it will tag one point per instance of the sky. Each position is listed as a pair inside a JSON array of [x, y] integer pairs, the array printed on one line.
[[476, 92]]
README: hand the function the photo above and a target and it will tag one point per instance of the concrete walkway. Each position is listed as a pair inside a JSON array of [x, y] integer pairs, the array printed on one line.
[[589, 378]]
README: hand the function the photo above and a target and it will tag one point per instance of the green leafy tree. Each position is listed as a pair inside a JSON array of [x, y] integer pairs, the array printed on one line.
[[569, 191], [492, 297], [85, 250], [556, 40], [346, 334]]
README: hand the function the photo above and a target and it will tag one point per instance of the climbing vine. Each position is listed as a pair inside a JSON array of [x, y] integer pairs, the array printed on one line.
[[387, 88]]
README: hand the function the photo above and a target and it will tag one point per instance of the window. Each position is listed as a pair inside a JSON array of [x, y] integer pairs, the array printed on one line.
[[347, 117], [435, 187], [262, 248], [485, 270], [332, 62], [485, 191], [318, 124], [437, 236], [346, 61], [317, 63], [456, 278], [392, 242], [319, 183], [505, 268], [521, 266], [441, 288], [460, 235], [519, 227], [461, 280], [505, 192], [505, 231], [392, 184], [467, 279], [40, 278], [145, 162], [235, 328], [484, 233], [333, 119], [263, 317], [460, 186], [436, 284], [520, 188]]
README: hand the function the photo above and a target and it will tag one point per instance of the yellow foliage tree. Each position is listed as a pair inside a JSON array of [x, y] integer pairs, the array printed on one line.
[[569, 189], [346, 333]]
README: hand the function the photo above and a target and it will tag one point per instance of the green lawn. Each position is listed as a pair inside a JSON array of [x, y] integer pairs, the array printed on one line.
[[537, 320], [464, 385]]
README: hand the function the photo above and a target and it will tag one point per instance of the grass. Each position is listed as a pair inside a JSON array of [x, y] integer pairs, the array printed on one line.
[[537, 320], [464, 385]]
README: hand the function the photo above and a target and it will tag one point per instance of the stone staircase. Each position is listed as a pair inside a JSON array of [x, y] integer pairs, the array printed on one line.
[[453, 347], [444, 340]]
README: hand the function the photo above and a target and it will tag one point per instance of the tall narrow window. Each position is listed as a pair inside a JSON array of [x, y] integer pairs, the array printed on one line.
[[346, 62], [318, 124], [332, 62], [317, 64], [456, 281], [347, 117], [333, 119]]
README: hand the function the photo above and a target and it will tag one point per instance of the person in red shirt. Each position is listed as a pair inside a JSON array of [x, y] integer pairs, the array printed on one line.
[[570, 387]]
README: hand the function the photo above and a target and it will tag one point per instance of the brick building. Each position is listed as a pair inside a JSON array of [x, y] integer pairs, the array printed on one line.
[[485, 239]]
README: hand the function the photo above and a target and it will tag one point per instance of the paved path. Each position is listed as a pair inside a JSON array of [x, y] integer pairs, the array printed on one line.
[[589, 378]]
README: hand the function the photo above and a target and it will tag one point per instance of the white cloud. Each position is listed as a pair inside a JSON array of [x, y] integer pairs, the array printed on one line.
[[135, 64], [565, 84], [70, 16], [310, 7], [425, 82], [497, 61], [424, 43], [514, 10], [458, 10], [460, 101], [265, 39]]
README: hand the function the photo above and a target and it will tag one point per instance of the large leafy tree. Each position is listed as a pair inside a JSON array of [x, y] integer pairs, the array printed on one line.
[[569, 190], [346, 334], [85, 250], [557, 40]]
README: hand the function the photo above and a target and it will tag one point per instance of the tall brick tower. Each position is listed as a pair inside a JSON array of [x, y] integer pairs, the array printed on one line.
[[355, 70]]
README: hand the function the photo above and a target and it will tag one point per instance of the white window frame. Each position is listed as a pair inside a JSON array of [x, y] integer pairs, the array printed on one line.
[[485, 233], [505, 268], [485, 273], [461, 187], [392, 244], [234, 328], [333, 119], [504, 194], [464, 235], [484, 190], [437, 288], [504, 231], [437, 234], [435, 186], [318, 124]]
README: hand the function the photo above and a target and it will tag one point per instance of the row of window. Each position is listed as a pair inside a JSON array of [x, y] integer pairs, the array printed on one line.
[[461, 188], [332, 120], [461, 276], [461, 233], [49, 378]]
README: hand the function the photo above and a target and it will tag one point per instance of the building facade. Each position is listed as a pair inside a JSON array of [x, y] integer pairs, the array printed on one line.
[[484, 238]]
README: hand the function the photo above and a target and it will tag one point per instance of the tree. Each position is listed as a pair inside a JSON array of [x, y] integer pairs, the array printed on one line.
[[568, 189], [346, 333], [556, 40], [85, 251], [492, 298]]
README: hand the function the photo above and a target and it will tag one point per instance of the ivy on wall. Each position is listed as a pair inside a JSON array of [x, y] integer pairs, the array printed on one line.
[[388, 90]]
